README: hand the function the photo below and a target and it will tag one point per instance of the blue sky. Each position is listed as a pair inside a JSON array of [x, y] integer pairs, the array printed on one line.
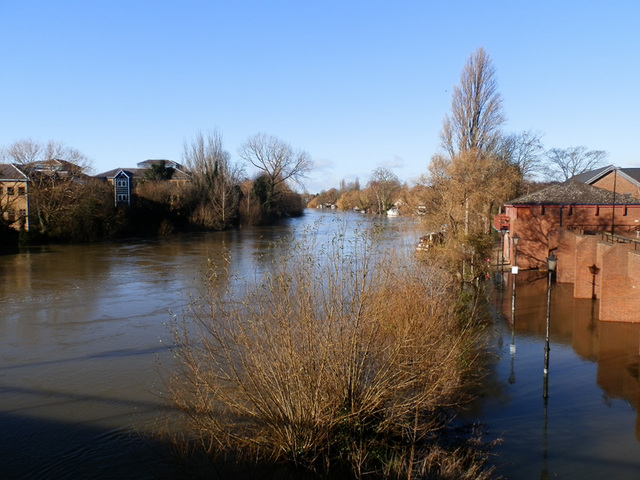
[[357, 84]]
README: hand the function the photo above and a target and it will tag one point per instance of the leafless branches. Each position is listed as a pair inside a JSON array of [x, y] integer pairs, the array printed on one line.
[[27, 151], [476, 109], [277, 160], [337, 353], [562, 164], [215, 179]]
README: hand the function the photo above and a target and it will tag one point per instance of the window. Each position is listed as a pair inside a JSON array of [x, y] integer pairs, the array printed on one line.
[[21, 191], [11, 214], [22, 212], [597, 213], [10, 191], [1, 190]]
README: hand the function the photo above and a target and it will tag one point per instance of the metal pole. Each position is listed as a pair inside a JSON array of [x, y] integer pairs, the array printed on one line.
[[513, 286], [613, 213], [545, 388]]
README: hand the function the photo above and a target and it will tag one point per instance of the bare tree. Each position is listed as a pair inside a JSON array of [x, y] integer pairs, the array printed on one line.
[[471, 178], [384, 184], [215, 178], [277, 161], [524, 151], [27, 151], [476, 109], [53, 169], [568, 162]]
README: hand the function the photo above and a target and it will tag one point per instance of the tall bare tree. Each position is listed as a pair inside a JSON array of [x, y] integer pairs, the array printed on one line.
[[476, 109], [470, 178], [564, 163], [216, 180], [277, 161]]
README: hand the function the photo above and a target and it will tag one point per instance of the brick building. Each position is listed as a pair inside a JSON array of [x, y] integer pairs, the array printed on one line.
[[574, 205], [14, 199], [619, 180]]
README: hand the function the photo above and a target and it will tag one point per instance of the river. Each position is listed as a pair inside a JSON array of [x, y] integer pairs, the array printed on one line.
[[84, 332]]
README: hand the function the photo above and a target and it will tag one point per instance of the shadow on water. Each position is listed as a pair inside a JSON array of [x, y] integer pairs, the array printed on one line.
[[75, 451], [78, 451], [82, 329]]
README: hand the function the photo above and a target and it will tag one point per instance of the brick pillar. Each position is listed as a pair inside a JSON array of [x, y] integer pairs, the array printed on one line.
[[620, 299], [565, 242], [585, 257]]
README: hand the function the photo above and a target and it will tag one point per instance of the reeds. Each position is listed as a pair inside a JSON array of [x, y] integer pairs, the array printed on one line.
[[341, 356]]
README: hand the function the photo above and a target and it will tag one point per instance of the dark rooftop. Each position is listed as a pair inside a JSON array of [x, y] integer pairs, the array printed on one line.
[[573, 193], [9, 172], [593, 175]]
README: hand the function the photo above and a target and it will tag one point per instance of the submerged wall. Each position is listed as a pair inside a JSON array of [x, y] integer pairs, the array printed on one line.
[[601, 270]]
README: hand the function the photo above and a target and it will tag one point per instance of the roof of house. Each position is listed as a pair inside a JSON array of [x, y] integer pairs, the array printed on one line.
[[139, 173], [54, 166], [11, 172], [167, 163], [574, 193], [633, 174]]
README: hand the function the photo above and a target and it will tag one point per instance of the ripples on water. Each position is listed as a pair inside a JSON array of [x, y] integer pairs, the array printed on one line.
[[84, 328]]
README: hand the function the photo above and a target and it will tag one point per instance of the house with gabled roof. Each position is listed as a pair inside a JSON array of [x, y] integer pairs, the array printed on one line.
[[615, 179], [14, 196], [124, 180]]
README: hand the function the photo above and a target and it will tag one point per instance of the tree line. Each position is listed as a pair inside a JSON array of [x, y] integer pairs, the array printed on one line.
[[479, 166], [67, 204]]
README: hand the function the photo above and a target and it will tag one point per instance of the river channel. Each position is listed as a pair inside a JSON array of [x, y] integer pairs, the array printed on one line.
[[84, 332]]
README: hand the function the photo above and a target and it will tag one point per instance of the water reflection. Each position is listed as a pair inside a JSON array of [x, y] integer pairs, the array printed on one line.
[[81, 330], [589, 426]]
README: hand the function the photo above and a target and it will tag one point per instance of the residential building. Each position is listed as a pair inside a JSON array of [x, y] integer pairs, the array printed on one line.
[[619, 180], [14, 196], [124, 180], [575, 206]]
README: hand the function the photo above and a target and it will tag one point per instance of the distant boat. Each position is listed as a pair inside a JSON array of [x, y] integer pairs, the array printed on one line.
[[393, 212]]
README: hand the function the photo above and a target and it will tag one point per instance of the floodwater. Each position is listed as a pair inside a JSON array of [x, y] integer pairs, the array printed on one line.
[[85, 335], [588, 428], [84, 332]]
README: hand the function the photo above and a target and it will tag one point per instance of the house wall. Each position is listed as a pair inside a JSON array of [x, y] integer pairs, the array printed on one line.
[[622, 185], [617, 281], [534, 223], [620, 300], [13, 205]]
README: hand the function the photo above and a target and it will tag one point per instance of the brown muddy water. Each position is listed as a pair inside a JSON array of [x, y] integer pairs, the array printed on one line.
[[84, 332]]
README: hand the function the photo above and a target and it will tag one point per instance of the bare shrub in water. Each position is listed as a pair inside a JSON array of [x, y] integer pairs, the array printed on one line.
[[340, 356]]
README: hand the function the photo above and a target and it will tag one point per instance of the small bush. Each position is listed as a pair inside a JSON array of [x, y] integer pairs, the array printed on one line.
[[341, 356]]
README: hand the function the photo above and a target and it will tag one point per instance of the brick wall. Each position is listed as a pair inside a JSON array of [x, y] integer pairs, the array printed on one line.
[[622, 184], [586, 255], [534, 223], [620, 301], [617, 283]]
